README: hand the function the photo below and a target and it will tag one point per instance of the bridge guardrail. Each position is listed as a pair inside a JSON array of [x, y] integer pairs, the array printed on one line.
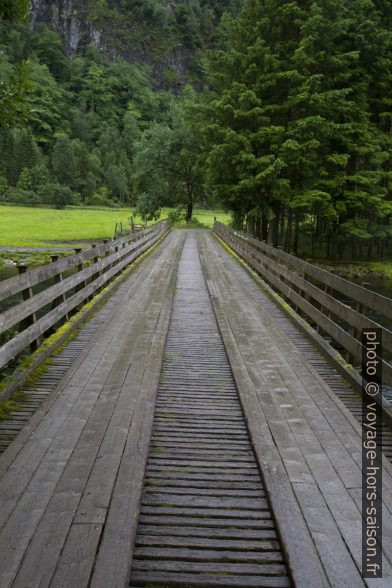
[[68, 293], [312, 289]]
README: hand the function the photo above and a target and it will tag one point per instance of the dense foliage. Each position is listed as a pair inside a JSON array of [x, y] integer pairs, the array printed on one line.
[[287, 124], [298, 123], [85, 115], [73, 135]]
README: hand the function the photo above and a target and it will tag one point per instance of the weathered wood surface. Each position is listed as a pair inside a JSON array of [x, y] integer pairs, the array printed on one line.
[[308, 445], [70, 492], [71, 482], [118, 255], [276, 267], [195, 361]]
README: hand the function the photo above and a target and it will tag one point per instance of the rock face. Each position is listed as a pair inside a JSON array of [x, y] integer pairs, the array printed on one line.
[[69, 18], [79, 24]]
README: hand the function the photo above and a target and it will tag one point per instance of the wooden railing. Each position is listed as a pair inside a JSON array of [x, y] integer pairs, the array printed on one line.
[[316, 293], [90, 270]]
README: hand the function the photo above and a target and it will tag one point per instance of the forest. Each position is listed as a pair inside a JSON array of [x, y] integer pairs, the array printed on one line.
[[283, 118]]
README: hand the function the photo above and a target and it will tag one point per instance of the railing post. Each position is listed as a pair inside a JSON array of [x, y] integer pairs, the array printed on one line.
[[82, 284], [115, 262], [98, 273], [58, 278], [31, 319], [356, 333], [79, 269]]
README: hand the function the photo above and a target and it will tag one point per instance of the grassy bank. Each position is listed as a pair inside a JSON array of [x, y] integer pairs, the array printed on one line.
[[38, 227]]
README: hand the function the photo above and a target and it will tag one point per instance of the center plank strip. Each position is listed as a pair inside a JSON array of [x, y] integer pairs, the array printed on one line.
[[205, 519]]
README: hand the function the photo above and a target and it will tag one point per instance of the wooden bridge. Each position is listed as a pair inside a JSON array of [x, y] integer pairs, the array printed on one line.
[[194, 420]]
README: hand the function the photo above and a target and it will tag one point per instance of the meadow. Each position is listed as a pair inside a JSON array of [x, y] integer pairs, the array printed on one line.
[[41, 227]]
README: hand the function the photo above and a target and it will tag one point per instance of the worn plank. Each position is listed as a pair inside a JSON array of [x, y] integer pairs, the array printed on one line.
[[181, 579]]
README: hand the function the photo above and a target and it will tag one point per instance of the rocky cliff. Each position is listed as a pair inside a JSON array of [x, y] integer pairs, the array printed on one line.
[[165, 34]]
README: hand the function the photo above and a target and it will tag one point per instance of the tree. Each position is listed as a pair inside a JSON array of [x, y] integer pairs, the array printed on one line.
[[15, 86], [166, 168], [14, 10], [48, 46], [63, 161], [294, 128], [48, 105], [116, 181], [25, 181]]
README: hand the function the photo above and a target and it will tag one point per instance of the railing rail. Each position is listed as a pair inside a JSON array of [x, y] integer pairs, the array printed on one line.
[[105, 262], [313, 291]]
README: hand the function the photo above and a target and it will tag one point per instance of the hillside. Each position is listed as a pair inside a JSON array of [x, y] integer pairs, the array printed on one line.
[[167, 35]]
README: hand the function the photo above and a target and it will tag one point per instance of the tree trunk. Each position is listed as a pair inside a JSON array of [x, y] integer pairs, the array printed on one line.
[[264, 227], [250, 225], [282, 225], [296, 234], [287, 244], [273, 236], [353, 248], [189, 206], [238, 220], [370, 248], [258, 227]]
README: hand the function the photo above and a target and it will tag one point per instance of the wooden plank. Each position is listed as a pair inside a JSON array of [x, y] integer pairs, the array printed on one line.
[[205, 554], [303, 560], [47, 455], [165, 490], [205, 542], [114, 555], [96, 498], [185, 527], [319, 465], [267, 569], [329, 541], [181, 579], [203, 512], [77, 559], [207, 502], [18, 530]]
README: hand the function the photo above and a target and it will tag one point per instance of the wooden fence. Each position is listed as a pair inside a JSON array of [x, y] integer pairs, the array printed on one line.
[[88, 271], [318, 294]]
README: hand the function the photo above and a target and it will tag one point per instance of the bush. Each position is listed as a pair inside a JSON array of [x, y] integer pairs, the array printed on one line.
[[101, 199], [4, 187], [56, 194], [26, 197], [176, 216]]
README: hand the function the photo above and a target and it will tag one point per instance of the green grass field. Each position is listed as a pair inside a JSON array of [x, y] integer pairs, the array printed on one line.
[[37, 227]]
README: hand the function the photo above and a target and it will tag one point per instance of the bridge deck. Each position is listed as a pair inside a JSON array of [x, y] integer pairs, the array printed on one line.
[[71, 482]]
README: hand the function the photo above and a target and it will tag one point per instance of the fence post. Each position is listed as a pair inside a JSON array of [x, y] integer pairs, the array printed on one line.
[[356, 333], [31, 319], [97, 274], [60, 299]]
